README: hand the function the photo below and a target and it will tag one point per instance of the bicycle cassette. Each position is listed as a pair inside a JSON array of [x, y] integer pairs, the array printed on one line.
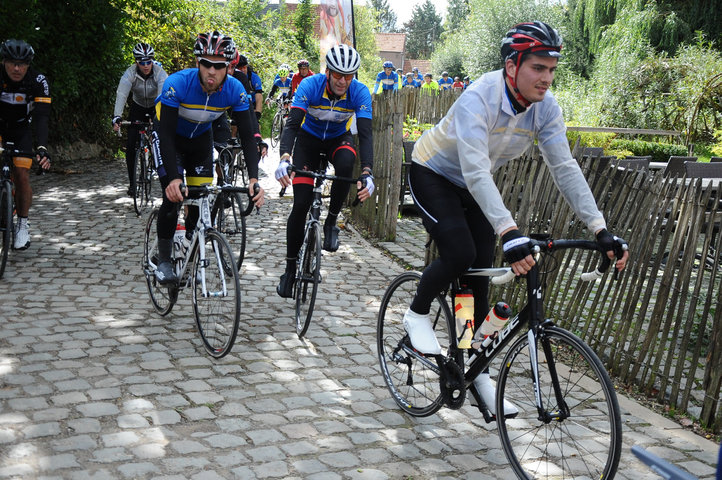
[[451, 382]]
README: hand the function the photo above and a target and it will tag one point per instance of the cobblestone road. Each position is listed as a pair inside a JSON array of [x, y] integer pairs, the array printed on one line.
[[95, 385]]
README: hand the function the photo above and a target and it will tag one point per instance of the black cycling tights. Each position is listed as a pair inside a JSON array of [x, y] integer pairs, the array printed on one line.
[[463, 236], [342, 156]]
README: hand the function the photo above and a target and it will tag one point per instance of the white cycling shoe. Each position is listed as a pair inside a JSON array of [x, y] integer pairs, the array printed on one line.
[[421, 333], [22, 235], [487, 391]]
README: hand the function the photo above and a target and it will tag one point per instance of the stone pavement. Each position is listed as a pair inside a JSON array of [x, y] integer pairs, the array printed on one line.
[[95, 385]]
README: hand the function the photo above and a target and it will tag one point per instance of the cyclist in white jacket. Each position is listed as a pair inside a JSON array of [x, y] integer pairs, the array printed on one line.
[[495, 121], [144, 81]]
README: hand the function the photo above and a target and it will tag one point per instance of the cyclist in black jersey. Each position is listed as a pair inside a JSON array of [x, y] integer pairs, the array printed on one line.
[[190, 101], [24, 95], [143, 82]]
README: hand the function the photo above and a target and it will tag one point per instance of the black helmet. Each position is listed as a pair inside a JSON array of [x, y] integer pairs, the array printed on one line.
[[536, 38], [302, 63], [13, 49], [143, 52], [214, 43]]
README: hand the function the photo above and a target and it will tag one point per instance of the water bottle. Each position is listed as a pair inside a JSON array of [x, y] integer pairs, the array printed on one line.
[[494, 321], [179, 242], [464, 312]]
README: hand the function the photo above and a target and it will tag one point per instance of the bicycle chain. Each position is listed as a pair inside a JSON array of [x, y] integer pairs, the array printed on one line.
[[451, 382]]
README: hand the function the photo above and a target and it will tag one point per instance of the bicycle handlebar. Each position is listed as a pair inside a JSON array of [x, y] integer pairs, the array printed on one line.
[[12, 152], [548, 246], [324, 176], [204, 190]]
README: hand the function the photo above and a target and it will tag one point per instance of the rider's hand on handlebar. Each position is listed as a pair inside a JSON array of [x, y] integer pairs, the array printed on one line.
[[43, 158], [260, 197], [615, 247], [517, 251], [116, 123], [173, 191], [365, 186], [282, 173]]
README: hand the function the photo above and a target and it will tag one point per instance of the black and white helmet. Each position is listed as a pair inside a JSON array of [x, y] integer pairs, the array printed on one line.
[[143, 52], [343, 59], [20, 50], [214, 43]]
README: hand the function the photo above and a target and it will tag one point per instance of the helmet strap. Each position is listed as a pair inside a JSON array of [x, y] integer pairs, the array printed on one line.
[[512, 82]]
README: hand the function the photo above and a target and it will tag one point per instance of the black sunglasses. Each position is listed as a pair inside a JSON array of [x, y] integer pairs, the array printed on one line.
[[209, 64]]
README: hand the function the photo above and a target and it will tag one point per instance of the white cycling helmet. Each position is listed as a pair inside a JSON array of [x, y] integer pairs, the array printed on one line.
[[343, 59]]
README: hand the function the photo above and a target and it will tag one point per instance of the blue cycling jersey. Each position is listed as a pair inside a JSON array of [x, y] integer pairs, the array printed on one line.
[[445, 83], [196, 108], [285, 83], [388, 82], [326, 118]]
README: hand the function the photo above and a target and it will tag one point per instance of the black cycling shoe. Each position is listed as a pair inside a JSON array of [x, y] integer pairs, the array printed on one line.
[[285, 286], [330, 238], [165, 274]]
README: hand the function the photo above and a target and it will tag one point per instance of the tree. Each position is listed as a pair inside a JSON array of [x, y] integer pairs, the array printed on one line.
[[387, 17], [423, 30], [366, 25], [456, 14], [303, 19]]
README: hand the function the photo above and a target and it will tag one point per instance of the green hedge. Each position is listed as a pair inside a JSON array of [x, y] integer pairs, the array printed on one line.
[[660, 152]]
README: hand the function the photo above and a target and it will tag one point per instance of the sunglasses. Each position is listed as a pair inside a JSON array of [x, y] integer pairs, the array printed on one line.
[[145, 63], [209, 64], [18, 64], [339, 76]]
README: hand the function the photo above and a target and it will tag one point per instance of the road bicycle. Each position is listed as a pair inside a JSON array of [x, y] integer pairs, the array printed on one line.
[[568, 424], [207, 266], [279, 120], [143, 164], [228, 210], [7, 200], [308, 267]]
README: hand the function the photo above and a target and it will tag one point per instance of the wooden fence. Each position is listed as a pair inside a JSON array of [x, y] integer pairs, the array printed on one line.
[[659, 326]]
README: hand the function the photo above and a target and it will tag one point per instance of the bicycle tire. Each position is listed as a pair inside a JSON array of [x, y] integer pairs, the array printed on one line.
[[163, 297], [137, 184], [6, 223], [414, 384], [227, 215], [308, 276], [225, 170], [240, 172], [218, 312], [276, 129], [585, 444], [147, 178]]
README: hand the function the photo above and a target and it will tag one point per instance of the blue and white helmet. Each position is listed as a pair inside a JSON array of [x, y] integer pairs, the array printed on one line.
[[388, 64], [343, 59]]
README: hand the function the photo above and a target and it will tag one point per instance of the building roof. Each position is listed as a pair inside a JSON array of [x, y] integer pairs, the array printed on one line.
[[391, 42], [424, 66]]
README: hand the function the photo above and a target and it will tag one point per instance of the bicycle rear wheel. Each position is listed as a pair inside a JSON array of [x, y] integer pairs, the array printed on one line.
[[225, 167], [276, 129], [163, 297], [216, 295], [412, 379], [228, 219], [6, 222], [240, 175], [582, 434], [308, 276], [138, 186]]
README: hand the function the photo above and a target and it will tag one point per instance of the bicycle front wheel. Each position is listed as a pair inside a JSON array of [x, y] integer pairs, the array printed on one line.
[[137, 186], [6, 223], [412, 378], [276, 129], [308, 276], [225, 167], [163, 297], [579, 434], [229, 220], [216, 295]]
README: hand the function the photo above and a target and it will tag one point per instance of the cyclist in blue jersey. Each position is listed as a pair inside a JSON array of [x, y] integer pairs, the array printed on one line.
[[445, 82], [282, 83], [387, 79], [190, 101], [323, 109], [417, 75], [409, 81], [467, 82]]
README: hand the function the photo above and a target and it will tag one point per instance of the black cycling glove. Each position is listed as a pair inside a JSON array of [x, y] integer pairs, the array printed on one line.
[[611, 242], [515, 246]]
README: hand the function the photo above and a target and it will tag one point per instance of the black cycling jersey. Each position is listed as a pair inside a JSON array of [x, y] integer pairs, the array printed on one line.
[[21, 100]]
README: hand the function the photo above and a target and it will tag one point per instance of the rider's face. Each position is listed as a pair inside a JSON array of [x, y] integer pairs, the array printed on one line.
[[212, 69], [534, 76], [15, 69], [338, 83]]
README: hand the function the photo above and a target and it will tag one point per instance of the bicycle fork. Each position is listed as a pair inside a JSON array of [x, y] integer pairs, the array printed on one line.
[[533, 337]]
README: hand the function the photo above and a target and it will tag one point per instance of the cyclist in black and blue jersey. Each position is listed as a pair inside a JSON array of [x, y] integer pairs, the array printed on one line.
[[320, 120], [191, 99]]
